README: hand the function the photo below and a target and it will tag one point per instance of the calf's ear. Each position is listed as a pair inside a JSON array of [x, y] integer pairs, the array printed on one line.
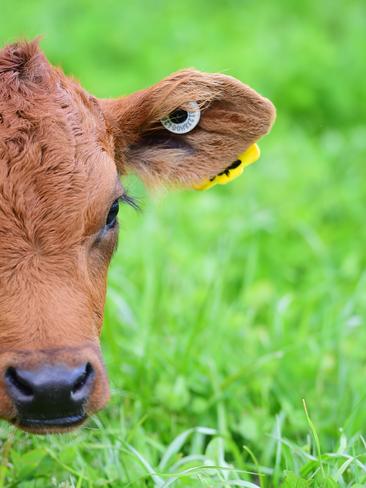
[[187, 128]]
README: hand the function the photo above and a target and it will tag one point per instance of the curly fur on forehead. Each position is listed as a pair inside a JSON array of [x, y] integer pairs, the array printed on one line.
[[51, 140], [25, 74]]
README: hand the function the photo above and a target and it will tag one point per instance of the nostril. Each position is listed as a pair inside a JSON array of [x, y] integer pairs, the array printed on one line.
[[19, 384], [83, 382]]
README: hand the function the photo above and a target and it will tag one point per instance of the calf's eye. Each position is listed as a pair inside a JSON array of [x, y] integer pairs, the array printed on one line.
[[112, 215], [181, 121]]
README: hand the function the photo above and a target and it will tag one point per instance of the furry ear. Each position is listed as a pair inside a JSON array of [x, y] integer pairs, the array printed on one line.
[[187, 128]]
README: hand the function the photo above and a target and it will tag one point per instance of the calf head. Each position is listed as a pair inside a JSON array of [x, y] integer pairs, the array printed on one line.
[[62, 152]]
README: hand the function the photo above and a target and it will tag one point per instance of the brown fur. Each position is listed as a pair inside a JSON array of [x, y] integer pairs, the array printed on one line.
[[61, 151]]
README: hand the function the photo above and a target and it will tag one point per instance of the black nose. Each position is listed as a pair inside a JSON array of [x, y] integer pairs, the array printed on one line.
[[53, 395]]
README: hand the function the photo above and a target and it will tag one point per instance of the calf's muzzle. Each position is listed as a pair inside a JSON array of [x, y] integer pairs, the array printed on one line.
[[52, 390], [50, 396]]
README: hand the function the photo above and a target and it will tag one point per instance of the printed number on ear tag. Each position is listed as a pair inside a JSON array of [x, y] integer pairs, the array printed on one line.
[[181, 121]]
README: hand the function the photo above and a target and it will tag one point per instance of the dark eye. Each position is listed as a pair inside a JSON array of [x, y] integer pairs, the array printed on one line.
[[112, 215]]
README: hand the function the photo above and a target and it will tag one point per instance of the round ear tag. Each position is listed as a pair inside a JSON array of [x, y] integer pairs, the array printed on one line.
[[181, 121]]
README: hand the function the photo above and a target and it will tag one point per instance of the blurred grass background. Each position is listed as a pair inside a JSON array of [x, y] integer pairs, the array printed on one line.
[[226, 309]]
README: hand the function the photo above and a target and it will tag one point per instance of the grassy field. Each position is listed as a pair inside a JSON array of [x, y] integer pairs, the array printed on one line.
[[235, 334]]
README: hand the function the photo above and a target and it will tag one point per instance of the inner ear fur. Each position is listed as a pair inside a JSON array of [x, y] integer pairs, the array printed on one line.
[[233, 116]]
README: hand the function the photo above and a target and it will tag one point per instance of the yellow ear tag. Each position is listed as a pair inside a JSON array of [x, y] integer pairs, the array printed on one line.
[[251, 155]]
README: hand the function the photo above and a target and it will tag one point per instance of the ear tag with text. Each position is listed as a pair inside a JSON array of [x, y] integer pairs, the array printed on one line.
[[181, 121]]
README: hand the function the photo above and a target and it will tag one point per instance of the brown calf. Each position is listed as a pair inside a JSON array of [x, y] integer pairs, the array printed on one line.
[[61, 154]]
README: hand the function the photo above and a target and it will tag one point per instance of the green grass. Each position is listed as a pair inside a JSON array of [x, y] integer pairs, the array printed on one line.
[[235, 320]]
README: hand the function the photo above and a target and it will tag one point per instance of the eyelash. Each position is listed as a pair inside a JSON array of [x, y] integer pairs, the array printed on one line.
[[111, 221], [127, 199]]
